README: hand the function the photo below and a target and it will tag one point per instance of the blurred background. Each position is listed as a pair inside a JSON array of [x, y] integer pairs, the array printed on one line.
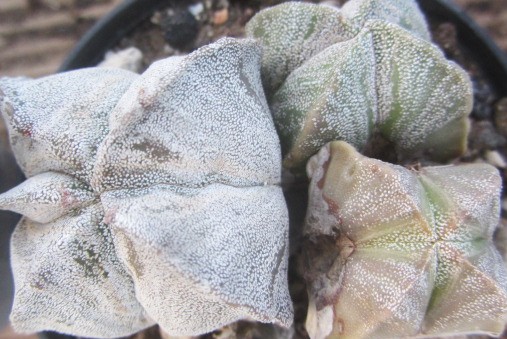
[[36, 35]]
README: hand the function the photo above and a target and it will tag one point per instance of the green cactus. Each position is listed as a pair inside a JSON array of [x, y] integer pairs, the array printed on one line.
[[402, 252], [382, 81], [150, 198]]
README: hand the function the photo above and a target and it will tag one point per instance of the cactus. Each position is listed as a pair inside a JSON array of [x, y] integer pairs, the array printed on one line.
[[149, 199], [402, 252], [380, 79]]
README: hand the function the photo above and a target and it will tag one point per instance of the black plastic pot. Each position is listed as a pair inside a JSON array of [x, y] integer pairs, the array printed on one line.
[[107, 32], [127, 16]]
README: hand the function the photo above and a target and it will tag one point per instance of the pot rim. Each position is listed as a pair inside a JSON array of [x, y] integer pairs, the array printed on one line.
[[108, 32], [474, 39]]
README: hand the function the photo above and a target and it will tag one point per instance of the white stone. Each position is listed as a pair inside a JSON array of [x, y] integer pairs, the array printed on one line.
[[196, 9], [129, 59]]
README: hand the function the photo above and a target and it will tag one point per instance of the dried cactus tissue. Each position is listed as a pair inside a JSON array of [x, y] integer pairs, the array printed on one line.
[[163, 198]]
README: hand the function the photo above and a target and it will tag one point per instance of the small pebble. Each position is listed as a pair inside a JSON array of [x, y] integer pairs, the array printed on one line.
[[495, 158], [220, 16], [180, 27], [196, 9], [226, 332], [501, 116], [483, 100], [129, 59]]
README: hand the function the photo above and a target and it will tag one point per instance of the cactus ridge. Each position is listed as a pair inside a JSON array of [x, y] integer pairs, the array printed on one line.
[[360, 72]]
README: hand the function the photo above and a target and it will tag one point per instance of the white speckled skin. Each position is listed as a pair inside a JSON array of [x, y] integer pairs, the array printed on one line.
[[293, 32], [403, 13], [47, 196], [169, 127], [383, 81], [68, 278], [150, 199], [416, 251], [236, 271]]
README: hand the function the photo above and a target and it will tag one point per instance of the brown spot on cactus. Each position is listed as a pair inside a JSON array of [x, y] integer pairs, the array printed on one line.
[[333, 206], [61, 285], [423, 259]]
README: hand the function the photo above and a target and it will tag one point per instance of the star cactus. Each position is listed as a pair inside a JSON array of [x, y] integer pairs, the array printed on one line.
[[379, 80], [394, 252], [150, 198]]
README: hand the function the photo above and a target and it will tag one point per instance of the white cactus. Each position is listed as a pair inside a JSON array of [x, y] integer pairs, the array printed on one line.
[[293, 32], [374, 78], [382, 81], [149, 199]]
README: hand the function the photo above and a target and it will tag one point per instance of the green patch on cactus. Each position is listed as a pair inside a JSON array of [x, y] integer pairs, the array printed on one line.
[[420, 259]]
